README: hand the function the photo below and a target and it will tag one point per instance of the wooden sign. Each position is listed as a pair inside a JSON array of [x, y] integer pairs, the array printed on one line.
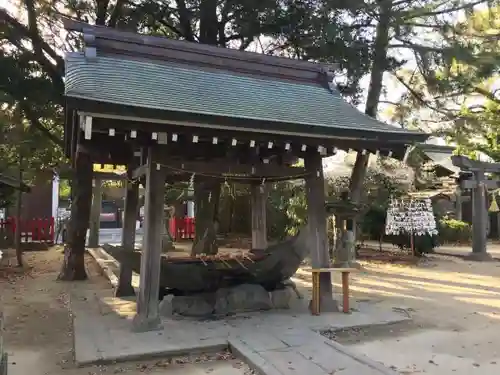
[[109, 168], [413, 217]]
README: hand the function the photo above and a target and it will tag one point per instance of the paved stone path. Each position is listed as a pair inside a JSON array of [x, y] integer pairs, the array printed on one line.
[[279, 342], [299, 352], [274, 343]]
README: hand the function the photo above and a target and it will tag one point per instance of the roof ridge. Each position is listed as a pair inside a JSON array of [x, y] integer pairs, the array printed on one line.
[[156, 47]]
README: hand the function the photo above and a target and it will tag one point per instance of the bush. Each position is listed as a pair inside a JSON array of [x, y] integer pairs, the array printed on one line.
[[373, 223], [454, 231], [422, 244]]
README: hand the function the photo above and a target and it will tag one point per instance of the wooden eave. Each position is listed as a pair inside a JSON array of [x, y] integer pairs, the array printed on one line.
[[157, 119], [14, 183], [123, 119]]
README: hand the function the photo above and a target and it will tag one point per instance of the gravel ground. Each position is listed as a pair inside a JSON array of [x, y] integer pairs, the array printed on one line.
[[38, 331]]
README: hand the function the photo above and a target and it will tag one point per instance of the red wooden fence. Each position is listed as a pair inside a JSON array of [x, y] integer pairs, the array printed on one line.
[[32, 230], [182, 228]]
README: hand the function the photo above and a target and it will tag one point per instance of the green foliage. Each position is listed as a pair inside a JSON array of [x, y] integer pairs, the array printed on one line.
[[7, 196], [295, 207], [421, 244], [457, 96], [454, 231], [176, 192], [373, 223], [64, 189]]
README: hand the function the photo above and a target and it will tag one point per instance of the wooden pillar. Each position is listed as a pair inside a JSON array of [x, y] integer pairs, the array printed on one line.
[[147, 317], [479, 220], [125, 288], [458, 203], [95, 213], [316, 212], [259, 222], [498, 225]]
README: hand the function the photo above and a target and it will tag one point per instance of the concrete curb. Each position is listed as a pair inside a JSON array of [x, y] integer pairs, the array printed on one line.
[[210, 346], [103, 265], [252, 358], [361, 358]]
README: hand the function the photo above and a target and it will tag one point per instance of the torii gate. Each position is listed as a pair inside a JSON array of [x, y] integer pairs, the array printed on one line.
[[479, 185]]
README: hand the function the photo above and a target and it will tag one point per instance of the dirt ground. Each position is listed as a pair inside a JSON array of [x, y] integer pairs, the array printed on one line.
[[455, 307], [38, 325]]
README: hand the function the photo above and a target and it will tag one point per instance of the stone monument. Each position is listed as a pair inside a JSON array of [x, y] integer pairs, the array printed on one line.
[[345, 211]]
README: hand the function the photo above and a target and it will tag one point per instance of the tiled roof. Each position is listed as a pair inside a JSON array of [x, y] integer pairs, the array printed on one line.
[[169, 86]]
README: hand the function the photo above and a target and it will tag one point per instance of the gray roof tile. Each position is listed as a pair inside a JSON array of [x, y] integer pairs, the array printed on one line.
[[167, 86]]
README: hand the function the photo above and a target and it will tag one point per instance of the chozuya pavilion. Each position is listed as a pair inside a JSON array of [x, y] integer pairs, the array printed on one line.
[[171, 110]]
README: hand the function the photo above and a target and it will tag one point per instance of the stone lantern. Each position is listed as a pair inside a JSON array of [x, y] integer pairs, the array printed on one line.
[[345, 212]]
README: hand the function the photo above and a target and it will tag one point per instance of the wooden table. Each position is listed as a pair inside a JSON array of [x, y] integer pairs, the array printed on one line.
[[316, 300]]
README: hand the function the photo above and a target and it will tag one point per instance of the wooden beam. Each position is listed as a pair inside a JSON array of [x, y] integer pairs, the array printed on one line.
[[139, 172], [110, 176], [225, 168], [258, 198], [362, 140], [147, 317], [103, 176], [471, 184], [479, 224], [95, 214], [318, 240], [125, 287], [468, 164]]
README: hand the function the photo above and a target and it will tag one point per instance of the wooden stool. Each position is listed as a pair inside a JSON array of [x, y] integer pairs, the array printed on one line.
[[316, 300]]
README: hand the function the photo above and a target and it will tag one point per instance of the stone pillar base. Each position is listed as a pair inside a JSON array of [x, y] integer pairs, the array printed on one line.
[[146, 324], [125, 290], [166, 243], [326, 305], [479, 257]]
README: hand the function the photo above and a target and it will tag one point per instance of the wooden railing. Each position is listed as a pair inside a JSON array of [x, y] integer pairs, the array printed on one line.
[[32, 230], [182, 228]]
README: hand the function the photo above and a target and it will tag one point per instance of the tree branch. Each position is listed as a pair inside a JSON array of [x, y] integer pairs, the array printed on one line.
[[185, 21], [416, 14], [39, 45], [421, 100], [35, 122], [117, 12], [21, 29], [102, 11], [173, 29], [489, 95], [420, 48]]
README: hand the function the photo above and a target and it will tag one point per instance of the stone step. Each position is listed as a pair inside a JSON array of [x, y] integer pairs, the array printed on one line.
[[302, 352]]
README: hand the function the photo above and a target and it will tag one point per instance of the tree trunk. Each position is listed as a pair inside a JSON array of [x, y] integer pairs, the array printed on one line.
[[19, 204], [209, 23], [73, 267], [230, 214], [373, 99], [206, 195]]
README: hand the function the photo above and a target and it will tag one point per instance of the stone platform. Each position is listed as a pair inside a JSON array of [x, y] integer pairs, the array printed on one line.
[[274, 342]]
